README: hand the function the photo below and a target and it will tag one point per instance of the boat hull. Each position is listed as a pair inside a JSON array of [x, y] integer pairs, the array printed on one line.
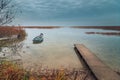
[[38, 39]]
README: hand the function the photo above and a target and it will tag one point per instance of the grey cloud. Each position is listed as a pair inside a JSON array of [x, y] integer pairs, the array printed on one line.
[[39, 10]]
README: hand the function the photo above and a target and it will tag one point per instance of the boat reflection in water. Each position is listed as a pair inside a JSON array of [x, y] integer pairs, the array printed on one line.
[[38, 39]]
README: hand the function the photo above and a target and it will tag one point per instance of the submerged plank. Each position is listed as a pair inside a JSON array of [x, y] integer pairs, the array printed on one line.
[[98, 68]]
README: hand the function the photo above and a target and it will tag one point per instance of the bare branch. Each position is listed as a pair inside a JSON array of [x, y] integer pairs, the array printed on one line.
[[7, 11]]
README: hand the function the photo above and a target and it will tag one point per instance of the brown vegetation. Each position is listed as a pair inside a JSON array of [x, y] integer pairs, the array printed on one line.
[[42, 27], [39, 27], [105, 33], [9, 31], [99, 27], [10, 71]]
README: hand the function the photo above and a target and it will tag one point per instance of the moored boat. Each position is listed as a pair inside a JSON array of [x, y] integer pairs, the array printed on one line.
[[38, 39]]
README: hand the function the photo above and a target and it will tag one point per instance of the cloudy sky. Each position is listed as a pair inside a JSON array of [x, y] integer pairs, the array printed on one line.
[[68, 12]]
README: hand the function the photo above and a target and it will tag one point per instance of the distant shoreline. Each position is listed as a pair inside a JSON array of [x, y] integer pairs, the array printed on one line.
[[42, 27], [38, 27], [105, 33], [98, 27], [79, 27]]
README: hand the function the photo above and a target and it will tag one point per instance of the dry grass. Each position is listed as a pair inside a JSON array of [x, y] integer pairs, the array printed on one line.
[[11, 71], [9, 31]]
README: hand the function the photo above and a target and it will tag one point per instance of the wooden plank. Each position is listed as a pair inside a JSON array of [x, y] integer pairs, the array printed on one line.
[[99, 69], [4, 38]]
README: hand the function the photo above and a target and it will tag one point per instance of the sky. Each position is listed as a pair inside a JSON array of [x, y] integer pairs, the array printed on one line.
[[68, 13]]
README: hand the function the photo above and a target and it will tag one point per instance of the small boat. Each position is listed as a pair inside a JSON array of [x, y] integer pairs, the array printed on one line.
[[38, 39]]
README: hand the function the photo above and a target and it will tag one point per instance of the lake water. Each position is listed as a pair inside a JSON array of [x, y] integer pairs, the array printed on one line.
[[57, 49]]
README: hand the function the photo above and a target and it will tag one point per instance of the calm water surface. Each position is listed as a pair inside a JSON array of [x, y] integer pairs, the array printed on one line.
[[57, 49]]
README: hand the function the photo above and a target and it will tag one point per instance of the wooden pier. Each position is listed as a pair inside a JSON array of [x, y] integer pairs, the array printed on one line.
[[97, 67]]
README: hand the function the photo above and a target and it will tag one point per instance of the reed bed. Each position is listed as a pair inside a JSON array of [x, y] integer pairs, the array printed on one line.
[[9, 31], [11, 71], [105, 33], [117, 28]]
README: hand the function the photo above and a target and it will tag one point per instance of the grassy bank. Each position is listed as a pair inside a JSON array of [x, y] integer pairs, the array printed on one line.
[[11, 71]]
